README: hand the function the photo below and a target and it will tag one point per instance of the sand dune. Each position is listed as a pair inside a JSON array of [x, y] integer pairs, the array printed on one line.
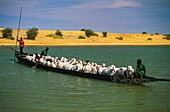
[[71, 38]]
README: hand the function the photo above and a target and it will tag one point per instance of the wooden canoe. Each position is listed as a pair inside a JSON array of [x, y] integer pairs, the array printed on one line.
[[23, 60]]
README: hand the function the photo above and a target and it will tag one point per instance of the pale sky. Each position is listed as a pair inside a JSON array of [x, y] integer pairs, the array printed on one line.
[[116, 16]]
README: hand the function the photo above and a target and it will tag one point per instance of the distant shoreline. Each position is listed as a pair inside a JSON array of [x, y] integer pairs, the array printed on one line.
[[103, 44], [70, 38]]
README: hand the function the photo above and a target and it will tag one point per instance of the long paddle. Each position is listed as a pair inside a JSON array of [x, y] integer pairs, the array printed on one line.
[[18, 31], [158, 79], [35, 65]]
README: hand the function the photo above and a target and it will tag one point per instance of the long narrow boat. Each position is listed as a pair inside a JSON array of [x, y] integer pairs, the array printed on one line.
[[22, 60]]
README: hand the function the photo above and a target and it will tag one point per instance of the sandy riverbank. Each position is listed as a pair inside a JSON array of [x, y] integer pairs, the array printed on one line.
[[70, 38]]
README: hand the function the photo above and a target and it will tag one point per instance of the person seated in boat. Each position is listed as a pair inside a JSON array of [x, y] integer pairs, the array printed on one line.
[[44, 52], [21, 44], [37, 58], [140, 69]]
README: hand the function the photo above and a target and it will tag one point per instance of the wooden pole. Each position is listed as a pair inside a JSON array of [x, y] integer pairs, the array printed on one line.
[[18, 31]]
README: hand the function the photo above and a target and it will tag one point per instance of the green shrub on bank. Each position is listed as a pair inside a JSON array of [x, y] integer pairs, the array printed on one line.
[[119, 38], [50, 35], [82, 29], [32, 33], [104, 34], [167, 36], [149, 39], [11, 38], [144, 32], [59, 33], [6, 33], [89, 32], [81, 37], [54, 36]]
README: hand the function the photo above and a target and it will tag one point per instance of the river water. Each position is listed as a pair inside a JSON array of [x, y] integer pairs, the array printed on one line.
[[26, 89]]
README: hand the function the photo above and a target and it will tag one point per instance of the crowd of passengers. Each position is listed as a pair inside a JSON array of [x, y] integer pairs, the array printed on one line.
[[81, 66]]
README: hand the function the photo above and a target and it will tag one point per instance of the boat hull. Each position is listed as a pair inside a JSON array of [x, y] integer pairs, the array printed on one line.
[[23, 60]]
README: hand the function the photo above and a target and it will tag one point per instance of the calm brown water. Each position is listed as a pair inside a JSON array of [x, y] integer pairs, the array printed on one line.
[[25, 89]]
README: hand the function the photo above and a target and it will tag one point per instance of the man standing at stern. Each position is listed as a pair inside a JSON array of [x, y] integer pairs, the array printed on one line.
[[21, 44]]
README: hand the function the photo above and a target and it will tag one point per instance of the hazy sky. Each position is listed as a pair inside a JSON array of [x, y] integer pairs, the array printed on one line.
[[116, 16]]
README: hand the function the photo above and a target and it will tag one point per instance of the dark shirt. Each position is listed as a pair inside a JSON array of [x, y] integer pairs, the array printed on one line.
[[44, 53]]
